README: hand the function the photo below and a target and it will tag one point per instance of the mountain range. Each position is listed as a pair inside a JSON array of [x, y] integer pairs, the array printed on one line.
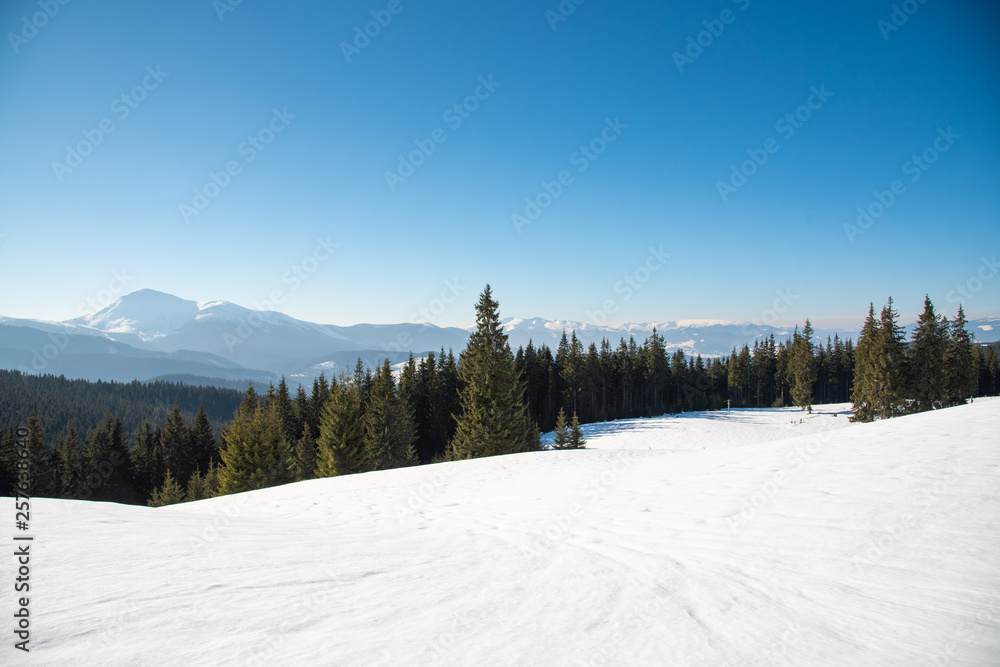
[[148, 335]]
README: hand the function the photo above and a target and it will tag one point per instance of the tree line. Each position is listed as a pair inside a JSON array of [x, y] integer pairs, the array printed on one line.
[[487, 401]]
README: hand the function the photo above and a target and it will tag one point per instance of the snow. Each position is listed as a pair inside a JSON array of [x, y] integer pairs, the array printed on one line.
[[736, 538]]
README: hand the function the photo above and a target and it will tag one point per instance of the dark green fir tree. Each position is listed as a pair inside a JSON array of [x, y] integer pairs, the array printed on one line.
[[494, 416]]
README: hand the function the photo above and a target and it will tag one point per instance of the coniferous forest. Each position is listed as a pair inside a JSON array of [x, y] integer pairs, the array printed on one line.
[[161, 443]]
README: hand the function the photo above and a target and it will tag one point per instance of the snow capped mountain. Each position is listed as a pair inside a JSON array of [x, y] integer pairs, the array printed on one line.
[[150, 333]]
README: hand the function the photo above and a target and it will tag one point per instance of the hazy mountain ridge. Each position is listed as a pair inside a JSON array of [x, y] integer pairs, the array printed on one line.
[[146, 334]]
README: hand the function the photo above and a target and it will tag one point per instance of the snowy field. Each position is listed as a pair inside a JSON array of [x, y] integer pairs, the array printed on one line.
[[702, 539]]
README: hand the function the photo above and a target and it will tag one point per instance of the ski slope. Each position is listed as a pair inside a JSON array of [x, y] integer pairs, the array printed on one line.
[[703, 539]]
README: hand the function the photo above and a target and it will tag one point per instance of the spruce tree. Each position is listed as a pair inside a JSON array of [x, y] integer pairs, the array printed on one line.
[[109, 471], [893, 349], [802, 367], [255, 454], [494, 416], [170, 493], [305, 454], [42, 475], [147, 465], [962, 361], [560, 436], [202, 448], [69, 463], [291, 425], [389, 429], [869, 371], [175, 445], [927, 384], [341, 445], [576, 440]]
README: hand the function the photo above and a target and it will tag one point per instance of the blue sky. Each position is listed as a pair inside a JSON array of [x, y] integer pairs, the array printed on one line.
[[206, 89]]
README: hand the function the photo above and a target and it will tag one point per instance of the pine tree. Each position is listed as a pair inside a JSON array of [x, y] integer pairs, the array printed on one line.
[[893, 349], [305, 454], [927, 384], [576, 440], [291, 425], [109, 471], [962, 361], [494, 418], [869, 371], [202, 448], [175, 445], [560, 437], [200, 486], [147, 466], [389, 429], [255, 454], [170, 493], [42, 475], [802, 367], [990, 372], [341, 445], [69, 463]]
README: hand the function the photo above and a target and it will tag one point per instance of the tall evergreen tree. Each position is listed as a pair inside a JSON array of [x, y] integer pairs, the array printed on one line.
[[893, 349], [305, 454], [255, 454], [291, 425], [962, 361], [147, 465], [175, 445], [560, 436], [802, 366], [927, 384], [576, 439], [869, 371], [109, 471], [341, 445], [494, 418], [389, 429], [69, 462], [203, 448], [42, 475]]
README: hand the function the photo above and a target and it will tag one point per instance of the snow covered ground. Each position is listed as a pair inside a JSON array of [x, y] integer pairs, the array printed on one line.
[[706, 539]]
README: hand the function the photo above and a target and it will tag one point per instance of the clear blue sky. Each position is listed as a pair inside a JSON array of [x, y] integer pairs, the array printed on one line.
[[885, 96]]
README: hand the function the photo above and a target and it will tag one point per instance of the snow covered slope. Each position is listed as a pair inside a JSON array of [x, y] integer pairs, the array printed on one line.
[[716, 539]]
